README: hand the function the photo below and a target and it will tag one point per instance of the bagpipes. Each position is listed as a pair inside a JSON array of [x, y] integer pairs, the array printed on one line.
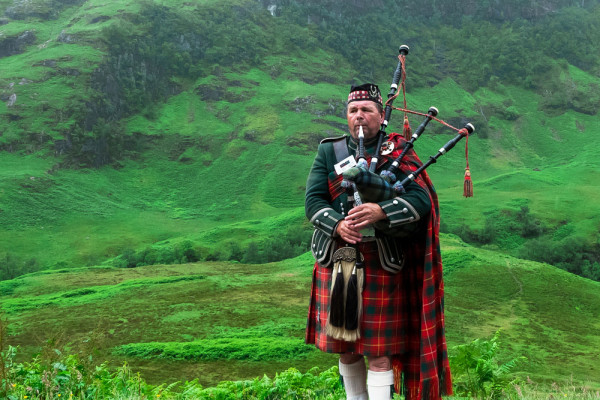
[[375, 188], [364, 185]]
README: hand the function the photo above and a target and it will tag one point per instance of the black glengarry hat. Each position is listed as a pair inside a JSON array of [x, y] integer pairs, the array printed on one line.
[[366, 91]]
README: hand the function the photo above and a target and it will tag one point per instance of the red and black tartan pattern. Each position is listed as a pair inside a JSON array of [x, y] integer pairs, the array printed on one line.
[[335, 186], [381, 324], [364, 95], [416, 337]]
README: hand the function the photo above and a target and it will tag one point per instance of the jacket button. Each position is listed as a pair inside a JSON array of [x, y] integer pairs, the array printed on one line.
[[317, 222], [392, 259], [395, 202], [405, 210], [326, 214]]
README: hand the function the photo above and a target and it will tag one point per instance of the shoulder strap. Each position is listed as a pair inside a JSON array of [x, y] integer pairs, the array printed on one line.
[[341, 149]]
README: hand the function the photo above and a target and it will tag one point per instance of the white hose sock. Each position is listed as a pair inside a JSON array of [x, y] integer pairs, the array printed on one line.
[[380, 384], [355, 380]]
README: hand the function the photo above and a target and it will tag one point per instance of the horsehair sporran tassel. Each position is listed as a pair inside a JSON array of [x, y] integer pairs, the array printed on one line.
[[336, 304], [352, 302], [346, 268]]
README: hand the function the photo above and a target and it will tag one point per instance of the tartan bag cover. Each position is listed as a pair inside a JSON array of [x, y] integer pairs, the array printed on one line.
[[403, 313]]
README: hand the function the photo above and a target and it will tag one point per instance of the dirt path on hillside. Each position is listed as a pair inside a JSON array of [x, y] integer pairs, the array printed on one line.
[[519, 283], [515, 303]]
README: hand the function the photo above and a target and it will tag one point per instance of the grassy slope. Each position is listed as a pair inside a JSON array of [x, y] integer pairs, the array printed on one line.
[[545, 314], [220, 171], [212, 163], [173, 189]]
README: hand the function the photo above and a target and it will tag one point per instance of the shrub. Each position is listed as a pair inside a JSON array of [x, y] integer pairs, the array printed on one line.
[[478, 372], [179, 253], [69, 378], [11, 266]]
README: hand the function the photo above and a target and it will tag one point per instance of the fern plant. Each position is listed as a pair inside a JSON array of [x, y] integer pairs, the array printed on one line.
[[477, 371]]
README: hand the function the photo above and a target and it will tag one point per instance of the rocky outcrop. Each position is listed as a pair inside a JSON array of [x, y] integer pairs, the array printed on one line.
[[65, 37], [11, 45], [23, 9], [44, 9], [12, 99], [54, 64], [218, 93], [310, 105]]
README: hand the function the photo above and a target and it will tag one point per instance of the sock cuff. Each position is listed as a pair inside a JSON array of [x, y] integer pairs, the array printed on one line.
[[354, 369], [383, 378]]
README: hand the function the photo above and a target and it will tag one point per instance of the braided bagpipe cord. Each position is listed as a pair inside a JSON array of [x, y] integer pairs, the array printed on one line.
[[407, 132]]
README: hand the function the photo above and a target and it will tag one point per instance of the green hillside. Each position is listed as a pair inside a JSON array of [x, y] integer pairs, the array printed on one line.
[[221, 321], [153, 157], [125, 126]]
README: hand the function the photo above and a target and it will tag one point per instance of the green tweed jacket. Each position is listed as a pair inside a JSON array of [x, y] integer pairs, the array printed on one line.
[[326, 205]]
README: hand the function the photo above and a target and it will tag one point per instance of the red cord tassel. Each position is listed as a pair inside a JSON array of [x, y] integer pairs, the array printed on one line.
[[406, 131], [468, 186], [468, 191]]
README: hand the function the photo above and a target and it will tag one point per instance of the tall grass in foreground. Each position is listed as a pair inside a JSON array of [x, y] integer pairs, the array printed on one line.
[[69, 379], [53, 375]]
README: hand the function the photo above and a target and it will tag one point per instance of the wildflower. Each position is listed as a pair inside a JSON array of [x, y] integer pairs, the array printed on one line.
[[14, 385]]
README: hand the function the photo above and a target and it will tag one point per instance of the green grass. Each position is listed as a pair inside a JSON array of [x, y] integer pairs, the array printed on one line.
[[209, 302], [216, 164], [231, 168], [545, 314], [198, 316], [200, 160], [254, 349]]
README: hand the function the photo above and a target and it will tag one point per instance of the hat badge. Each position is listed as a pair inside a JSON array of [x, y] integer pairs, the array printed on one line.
[[373, 91]]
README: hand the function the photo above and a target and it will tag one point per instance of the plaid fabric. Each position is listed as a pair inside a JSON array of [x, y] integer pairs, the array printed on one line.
[[404, 313], [372, 187], [335, 186], [381, 324], [423, 372]]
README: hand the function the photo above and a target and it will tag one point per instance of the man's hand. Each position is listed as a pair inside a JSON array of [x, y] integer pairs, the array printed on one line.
[[365, 214], [350, 235], [357, 219]]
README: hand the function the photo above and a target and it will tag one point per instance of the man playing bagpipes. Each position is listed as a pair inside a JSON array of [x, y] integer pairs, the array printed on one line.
[[377, 288]]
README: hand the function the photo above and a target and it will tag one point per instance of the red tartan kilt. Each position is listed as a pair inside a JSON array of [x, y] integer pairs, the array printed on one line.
[[382, 327]]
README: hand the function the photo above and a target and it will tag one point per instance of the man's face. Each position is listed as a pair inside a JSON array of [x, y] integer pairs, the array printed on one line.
[[364, 113]]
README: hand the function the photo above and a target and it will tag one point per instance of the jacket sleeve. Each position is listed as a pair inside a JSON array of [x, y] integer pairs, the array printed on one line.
[[407, 212], [318, 205]]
